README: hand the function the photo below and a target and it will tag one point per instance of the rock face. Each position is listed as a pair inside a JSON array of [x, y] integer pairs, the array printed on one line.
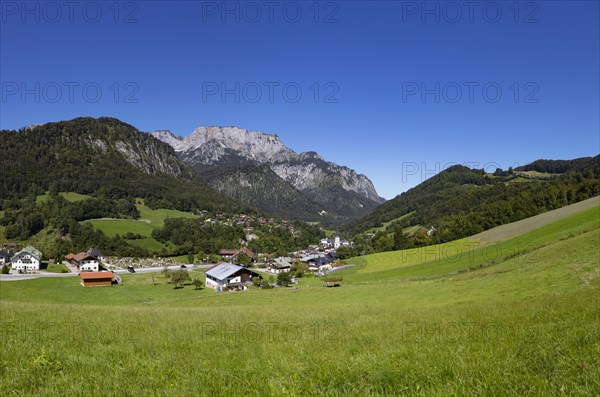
[[224, 154]]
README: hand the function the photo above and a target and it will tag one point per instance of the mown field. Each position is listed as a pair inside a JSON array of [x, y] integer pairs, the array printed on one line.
[[525, 324], [149, 220], [69, 196]]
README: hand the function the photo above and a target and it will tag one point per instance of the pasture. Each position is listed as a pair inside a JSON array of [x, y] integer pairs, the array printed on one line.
[[525, 324]]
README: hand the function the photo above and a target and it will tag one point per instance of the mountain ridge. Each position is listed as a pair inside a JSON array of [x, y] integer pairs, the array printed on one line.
[[337, 190]]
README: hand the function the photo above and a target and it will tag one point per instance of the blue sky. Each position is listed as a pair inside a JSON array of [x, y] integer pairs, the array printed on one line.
[[396, 90]]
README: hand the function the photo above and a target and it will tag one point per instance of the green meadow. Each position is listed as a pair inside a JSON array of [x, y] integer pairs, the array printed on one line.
[[519, 319], [69, 196], [149, 220]]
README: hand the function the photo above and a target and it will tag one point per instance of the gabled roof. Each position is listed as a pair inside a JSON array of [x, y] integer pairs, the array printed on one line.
[[223, 270], [31, 251], [83, 256], [282, 262], [95, 275], [94, 252]]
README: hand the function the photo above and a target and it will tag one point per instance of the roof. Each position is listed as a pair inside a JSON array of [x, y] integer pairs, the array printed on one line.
[[282, 262], [83, 256], [333, 280], [235, 252], [95, 275], [223, 270], [31, 251], [94, 252]]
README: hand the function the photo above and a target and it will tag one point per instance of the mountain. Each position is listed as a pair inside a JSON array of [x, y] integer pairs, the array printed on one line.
[[103, 155], [460, 201], [273, 177]]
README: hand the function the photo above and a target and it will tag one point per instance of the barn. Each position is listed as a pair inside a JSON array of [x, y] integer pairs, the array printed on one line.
[[95, 279]]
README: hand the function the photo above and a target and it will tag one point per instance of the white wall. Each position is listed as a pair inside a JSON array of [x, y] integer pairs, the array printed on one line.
[[89, 266], [21, 263]]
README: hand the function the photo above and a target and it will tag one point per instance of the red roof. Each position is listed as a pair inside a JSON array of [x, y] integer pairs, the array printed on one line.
[[95, 275], [82, 256], [333, 280]]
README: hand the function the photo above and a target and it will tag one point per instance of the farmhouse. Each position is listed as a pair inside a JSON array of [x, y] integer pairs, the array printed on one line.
[[84, 262], [230, 254], [280, 265], [96, 279], [4, 256], [229, 276], [27, 260], [97, 253]]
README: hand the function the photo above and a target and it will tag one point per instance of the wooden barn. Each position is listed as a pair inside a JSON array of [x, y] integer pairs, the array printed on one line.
[[96, 279]]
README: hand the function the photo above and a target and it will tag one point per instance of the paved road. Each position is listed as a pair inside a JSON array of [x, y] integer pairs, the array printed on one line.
[[17, 277]]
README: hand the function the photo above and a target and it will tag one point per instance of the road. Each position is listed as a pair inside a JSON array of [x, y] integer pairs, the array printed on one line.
[[18, 277]]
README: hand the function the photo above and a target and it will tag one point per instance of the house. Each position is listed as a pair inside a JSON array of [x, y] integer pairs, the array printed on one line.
[[27, 260], [84, 262], [320, 264], [4, 257], [97, 253], [229, 254], [96, 279], [280, 265], [229, 276]]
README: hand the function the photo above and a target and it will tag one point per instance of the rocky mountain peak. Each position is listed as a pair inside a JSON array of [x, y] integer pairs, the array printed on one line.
[[320, 180]]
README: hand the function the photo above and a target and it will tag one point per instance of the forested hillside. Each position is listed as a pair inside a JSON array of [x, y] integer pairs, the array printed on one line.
[[460, 202], [104, 157]]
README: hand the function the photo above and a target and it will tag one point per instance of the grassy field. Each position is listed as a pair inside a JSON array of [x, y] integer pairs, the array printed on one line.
[[386, 224], [149, 220], [524, 325], [69, 196]]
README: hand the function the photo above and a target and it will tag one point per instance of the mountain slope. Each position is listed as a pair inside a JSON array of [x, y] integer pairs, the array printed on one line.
[[460, 201], [561, 166], [88, 155], [337, 190]]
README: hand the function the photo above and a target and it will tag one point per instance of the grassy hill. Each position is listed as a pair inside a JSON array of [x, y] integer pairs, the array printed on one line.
[[525, 323]]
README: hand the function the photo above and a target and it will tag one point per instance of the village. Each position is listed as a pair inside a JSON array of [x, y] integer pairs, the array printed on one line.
[[237, 270]]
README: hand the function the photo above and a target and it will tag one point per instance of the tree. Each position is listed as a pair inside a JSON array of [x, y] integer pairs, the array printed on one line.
[[5, 269], [243, 259], [256, 281], [265, 284], [190, 258], [166, 272], [196, 282], [284, 279], [345, 253], [401, 241], [179, 277]]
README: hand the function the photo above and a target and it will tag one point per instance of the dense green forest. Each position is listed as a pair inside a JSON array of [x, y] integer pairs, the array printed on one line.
[[55, 224], [460, 202]]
